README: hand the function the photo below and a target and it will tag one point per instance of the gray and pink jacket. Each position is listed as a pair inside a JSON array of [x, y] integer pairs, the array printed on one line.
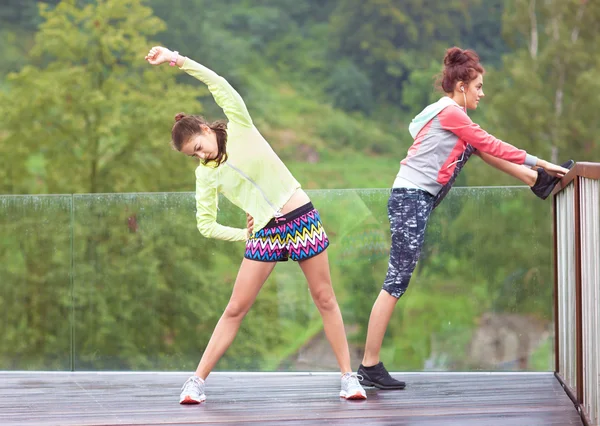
[[441, 133]]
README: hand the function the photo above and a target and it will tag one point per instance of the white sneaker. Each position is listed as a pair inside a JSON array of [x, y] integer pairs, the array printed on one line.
[[351, 388], [192, 391]]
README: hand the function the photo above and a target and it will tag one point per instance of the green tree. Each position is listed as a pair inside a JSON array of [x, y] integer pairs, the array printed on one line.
[[350, 88], [419, 90], [484, 31], [390, 38], [35, 289], [22, 13], [89, 110], [546, 88]]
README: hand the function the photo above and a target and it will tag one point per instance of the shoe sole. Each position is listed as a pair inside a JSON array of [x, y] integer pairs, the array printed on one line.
[[382, 387], [188, 400], [355, 396]]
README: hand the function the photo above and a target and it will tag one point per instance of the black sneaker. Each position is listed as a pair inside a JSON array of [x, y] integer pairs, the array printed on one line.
[[545, 183], [379, 377]]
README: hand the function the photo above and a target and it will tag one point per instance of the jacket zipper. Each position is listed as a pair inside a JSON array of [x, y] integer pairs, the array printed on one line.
[[275, 209]]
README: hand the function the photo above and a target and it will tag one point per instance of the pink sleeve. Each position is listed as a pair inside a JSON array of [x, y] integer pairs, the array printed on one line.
[[458, 122]]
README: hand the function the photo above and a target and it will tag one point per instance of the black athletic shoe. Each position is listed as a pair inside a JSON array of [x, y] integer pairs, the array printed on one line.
[[379, 377], [546, 183]]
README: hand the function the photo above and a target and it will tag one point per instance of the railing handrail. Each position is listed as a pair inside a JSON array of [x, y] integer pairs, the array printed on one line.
[[583, 169]]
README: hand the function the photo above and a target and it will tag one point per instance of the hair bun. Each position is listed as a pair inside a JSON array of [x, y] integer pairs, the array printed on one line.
[[459, 65], [179, 116], [455, 56]]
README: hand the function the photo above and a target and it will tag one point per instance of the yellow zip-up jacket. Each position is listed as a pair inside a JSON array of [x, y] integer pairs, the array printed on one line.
[[253, 177]]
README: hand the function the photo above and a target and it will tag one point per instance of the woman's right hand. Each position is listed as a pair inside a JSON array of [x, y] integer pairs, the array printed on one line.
[[249, 223], [158, 55], [553, 169]]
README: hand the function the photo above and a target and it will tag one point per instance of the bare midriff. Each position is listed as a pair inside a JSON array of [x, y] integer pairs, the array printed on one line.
[[299, 199]]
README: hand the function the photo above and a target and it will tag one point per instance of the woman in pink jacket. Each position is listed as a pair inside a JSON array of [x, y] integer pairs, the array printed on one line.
[[444, 139]]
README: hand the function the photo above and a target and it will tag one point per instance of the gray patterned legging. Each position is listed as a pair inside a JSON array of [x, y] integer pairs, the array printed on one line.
[[409, 210]]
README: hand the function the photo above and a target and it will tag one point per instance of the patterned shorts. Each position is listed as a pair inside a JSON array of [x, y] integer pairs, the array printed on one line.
[[298, 235], [408, 211]]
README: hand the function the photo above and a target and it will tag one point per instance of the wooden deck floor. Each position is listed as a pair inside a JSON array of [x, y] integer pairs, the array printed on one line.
[[30, 398]]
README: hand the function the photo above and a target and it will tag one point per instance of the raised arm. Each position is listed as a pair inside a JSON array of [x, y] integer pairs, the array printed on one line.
[[207, 201], [224, 94]]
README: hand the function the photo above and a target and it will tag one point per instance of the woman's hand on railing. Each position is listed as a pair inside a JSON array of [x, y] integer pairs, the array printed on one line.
[[552, 169]]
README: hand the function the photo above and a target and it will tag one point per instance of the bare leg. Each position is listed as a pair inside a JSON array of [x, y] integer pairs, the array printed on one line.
[[382, 311], [316, 270], [523, 173], [250, 279]]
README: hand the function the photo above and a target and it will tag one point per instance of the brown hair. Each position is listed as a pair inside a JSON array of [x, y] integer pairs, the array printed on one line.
[[459, 65], [187, 126]]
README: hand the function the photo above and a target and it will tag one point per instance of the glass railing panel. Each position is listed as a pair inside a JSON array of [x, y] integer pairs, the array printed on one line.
[[35, 282], [149, 289]]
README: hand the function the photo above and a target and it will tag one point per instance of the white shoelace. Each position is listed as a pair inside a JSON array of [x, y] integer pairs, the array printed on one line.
[[191, 384], [353, 378]]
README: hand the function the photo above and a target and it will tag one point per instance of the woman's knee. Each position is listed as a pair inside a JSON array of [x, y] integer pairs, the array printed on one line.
[[236, 309], [325, 299]]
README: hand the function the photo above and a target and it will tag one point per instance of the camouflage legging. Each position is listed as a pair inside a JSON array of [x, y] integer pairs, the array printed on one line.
[[409, 210]]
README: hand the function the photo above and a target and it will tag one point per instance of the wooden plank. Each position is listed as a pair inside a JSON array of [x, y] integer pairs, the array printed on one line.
[[290, 399], [578, 294]]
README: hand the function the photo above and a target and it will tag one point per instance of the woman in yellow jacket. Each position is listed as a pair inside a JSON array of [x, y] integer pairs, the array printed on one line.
[[236, 161]]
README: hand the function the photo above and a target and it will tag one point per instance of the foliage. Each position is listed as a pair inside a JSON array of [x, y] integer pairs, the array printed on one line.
[[350, 89], [390, 38], [332, 85], [543, 88], [89, 103]]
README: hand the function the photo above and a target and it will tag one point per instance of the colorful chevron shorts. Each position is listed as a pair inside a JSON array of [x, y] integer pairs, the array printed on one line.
[[297, 235]]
